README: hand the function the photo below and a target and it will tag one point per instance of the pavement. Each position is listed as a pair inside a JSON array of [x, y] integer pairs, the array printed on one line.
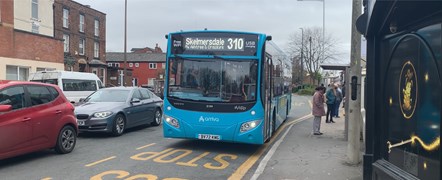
[[304, 156]]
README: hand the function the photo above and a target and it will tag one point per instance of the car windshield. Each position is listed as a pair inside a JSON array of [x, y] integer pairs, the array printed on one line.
[[215, 80], [108, 95]]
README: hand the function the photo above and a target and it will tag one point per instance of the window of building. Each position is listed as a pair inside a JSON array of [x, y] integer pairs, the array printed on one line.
[[35, 27], [109, 64], [81, 46], [96, 50], [97, 28], [17, 73], [65, 18], [152, 65], [34, 9], [66, 42], [102, 75], [117, 64], [81, 23], [150, 81], [163, 65], [45, 69], [131, 64], [137, 64], [95, 71]]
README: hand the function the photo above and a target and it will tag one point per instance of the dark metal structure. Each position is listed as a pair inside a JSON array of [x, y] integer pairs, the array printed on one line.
[[403, 93]]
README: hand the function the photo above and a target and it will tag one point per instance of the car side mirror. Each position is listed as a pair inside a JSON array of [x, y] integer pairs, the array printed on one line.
[[81, 100], [5, 108], [135, 100]]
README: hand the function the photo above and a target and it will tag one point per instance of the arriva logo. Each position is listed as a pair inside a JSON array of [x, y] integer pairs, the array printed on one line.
[[208, 119]]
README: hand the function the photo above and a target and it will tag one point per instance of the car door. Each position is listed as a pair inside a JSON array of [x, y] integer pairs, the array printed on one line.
[[148, 105], [15, 126], [135, 113], [47, 112]]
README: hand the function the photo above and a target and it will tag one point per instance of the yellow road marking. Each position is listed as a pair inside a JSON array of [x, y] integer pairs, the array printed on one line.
[[100, 161], [47, 178], [242, 170], [142, 147]]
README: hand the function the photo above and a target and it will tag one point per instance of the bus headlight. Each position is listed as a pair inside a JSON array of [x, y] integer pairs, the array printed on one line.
[[172, 121], [247, 126]]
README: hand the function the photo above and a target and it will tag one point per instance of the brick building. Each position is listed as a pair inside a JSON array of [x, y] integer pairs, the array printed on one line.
[[27, 42], [145, 68], [83, 30]]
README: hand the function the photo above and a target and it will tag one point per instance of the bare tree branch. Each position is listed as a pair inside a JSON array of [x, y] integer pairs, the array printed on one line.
[[315, 50]]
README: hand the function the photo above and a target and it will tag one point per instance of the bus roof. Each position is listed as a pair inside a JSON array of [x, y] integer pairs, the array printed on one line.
[[216, 31], [62, 74]]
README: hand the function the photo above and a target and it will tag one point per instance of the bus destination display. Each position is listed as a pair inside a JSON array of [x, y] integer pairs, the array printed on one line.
[[221, 44], [215, 44]]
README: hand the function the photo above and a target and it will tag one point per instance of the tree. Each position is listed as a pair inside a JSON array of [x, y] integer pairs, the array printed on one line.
[[315, 50]]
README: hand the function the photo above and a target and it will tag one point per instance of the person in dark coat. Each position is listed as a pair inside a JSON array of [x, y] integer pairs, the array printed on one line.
[[331, 99], [318, 109]]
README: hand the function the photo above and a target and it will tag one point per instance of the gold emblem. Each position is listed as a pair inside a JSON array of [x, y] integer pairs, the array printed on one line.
[[408, 90]]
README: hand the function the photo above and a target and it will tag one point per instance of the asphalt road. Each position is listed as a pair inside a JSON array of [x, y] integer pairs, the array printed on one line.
[[143, 153]]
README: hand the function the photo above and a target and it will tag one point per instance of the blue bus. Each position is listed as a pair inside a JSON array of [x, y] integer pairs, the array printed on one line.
[[225, 86]]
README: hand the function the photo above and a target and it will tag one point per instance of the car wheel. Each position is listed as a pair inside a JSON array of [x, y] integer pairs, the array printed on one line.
[[119, 125], [157, 118], [66, 140]]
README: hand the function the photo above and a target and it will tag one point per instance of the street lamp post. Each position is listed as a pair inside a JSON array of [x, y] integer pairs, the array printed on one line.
[[125, 43], [302, 56], [323, 23]]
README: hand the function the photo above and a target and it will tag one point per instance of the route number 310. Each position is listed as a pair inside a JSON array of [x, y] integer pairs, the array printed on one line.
[[235, 43]]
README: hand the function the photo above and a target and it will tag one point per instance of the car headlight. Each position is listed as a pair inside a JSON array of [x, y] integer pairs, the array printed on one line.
[[172, 121], [247, 126], [102, 114]]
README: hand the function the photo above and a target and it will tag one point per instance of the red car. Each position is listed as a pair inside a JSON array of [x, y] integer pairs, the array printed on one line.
[[33, 117]]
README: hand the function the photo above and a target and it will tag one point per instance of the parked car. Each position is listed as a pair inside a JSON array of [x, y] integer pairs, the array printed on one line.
[[33, 117], [117, 108]]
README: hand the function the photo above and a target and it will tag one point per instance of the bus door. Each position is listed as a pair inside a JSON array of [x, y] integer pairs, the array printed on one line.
[[268, 71]]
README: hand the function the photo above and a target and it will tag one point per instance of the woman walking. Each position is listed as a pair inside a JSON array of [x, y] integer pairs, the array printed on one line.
[[318, 109]]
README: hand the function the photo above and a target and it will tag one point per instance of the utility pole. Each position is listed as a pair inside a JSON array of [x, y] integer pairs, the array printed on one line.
[[310, 56], [354, 92], [302, 56], [125, 42]]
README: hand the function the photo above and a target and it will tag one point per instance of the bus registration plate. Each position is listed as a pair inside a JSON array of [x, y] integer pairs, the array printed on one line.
[[209, 137]]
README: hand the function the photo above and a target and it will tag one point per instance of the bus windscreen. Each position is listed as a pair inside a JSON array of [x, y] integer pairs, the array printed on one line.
[[214, 80]]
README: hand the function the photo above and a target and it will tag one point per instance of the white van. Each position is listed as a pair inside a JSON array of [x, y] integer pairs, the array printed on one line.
[[75, 85]]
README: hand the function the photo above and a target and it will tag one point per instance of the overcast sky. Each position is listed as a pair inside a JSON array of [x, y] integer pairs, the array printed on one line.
[[149, 20]]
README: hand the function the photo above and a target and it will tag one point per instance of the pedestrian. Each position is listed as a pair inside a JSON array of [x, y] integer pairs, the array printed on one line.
[[337, 101], [318, 109], [330, 95], [343, 95]]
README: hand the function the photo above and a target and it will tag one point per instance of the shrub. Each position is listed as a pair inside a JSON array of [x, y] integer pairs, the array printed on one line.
[[307, 91]]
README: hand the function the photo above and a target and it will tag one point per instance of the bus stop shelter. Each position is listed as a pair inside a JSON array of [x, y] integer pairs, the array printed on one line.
[[346, 69]]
